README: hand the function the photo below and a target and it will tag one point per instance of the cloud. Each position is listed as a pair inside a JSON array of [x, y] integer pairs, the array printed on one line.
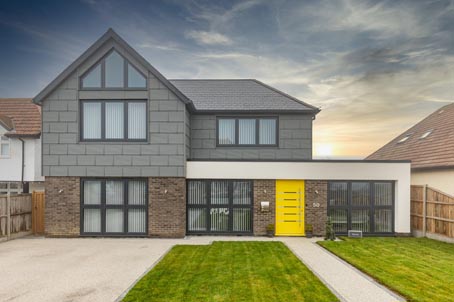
[[208, 38]]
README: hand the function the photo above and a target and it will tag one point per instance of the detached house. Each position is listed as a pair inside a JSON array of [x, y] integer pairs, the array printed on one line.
[[20, 146], [127, 152], [429, 145]]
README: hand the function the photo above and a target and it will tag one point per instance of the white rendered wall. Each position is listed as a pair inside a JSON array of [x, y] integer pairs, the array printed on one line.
[[442, 180], [11, 167], [334, 170]]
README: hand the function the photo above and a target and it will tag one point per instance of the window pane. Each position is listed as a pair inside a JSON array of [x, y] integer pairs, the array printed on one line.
[[246, 131], [219, 219], [339, 220], [242, 192], [226, 129], [5, 149], [267, 132], [93, 78], [197, 192], [114, 220], [114, 70], [338, 194], [242, 220], [137, 120], [383, 219], [137, 220], [92, 120], [197, 219], [219, 192], [114, 192], [92, 192], [360, 194], [135, 79], [361, 220], [92, 220], [114, 120], [383, 194], [137, 192]]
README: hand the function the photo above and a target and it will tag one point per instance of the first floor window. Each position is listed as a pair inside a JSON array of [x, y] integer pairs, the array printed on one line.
[[219, 206], [114, 206], [114, 120], [4, 146], [247, 131], [366, 206]]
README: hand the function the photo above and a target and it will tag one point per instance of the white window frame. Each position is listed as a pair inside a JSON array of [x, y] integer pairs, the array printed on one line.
[[5, 142]]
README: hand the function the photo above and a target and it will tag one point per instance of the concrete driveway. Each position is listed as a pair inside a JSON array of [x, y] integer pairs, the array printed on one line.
[[44, 269], [80, 269]]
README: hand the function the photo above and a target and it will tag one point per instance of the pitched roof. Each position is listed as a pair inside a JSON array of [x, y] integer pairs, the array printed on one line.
[[435, 150], [239, 95], [20, 117], [110, 34]]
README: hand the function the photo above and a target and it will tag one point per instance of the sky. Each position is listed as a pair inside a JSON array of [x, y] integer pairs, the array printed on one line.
[[374, 68]]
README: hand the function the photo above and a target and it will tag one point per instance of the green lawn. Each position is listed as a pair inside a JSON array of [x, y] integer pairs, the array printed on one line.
[[230, 271], [420, 269]]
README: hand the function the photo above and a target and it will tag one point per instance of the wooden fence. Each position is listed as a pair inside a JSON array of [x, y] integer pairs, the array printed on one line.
[[432, 211], [21, 214], [38, 204]]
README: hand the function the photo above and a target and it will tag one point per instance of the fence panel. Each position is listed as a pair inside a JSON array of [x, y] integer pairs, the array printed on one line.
[[438, 217], [20, 213]]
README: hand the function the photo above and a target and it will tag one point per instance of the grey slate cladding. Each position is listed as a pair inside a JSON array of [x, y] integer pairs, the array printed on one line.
[[238, 95], [295, 140]]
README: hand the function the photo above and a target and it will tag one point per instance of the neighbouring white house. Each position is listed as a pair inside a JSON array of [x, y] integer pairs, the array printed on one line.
[[20, 146], [430, 146]]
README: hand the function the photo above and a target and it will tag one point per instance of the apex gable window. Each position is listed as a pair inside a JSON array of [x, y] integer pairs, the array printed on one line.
[[247, 131], [113, 120], [113, 72]]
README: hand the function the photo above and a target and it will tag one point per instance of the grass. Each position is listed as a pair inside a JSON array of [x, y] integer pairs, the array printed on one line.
[[230, 271], [420, 269]]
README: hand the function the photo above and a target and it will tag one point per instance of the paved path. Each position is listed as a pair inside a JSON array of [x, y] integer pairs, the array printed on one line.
[[103, 269], [348, 283]]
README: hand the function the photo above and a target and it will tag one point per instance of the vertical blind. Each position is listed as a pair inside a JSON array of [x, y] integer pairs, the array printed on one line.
[[246, 131], [92, 120], [137, 114], [226, 131], [365, 206], [115, 120], [219, 206], [267, 131], [108, 209]]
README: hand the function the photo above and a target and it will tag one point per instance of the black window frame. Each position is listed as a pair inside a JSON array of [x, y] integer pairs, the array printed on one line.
[[101, 62], [371, 207], [103, 206], [257, 131], [103, 120], [208, 206]]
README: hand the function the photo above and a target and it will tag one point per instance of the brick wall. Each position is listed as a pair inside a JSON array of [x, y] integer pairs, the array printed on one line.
[[264, 190], [62, 213], [167, 210], [316, 211]]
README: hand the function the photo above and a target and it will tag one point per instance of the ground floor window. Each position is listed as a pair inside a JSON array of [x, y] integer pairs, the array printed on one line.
[[366, 206], [219, 206], [114, 206]]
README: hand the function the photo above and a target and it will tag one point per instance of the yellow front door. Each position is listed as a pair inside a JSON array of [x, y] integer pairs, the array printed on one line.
[[290, 208]]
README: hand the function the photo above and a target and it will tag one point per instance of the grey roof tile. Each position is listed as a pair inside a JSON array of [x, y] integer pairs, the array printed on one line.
[[238, 95]]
